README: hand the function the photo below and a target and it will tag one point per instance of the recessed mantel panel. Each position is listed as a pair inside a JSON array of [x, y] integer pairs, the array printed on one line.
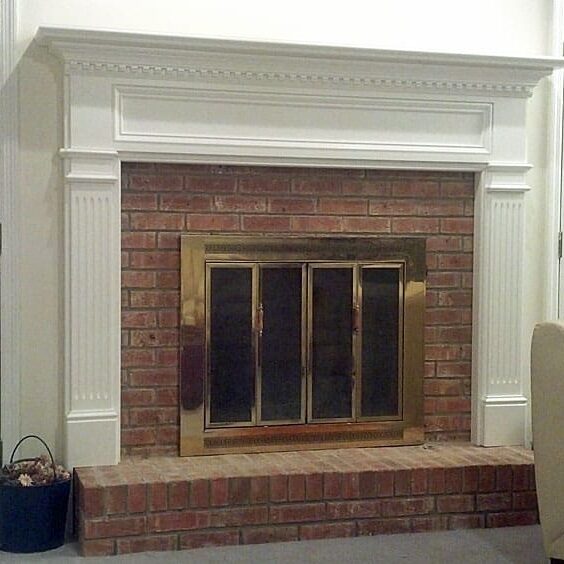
[[272, 119]]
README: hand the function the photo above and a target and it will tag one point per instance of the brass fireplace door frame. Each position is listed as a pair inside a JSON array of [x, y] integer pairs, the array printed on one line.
[[199, 252]]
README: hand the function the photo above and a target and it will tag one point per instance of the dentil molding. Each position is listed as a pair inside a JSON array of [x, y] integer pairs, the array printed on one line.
[[175, 99]]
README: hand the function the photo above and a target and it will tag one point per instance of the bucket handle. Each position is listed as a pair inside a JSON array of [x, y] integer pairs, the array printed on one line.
[[26, 459]]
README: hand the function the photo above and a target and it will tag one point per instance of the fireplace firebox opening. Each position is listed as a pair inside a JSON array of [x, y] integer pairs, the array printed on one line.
[[299, 343]]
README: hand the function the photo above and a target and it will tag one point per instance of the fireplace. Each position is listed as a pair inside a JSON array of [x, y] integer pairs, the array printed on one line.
[[300, 343], [415, 225], [159, 99]]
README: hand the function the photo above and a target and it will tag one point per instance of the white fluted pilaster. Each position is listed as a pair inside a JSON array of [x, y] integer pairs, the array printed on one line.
[[499, 346], [92, 347]]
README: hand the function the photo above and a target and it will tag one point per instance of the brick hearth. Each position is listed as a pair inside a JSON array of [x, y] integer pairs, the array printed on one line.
[[169, 503]]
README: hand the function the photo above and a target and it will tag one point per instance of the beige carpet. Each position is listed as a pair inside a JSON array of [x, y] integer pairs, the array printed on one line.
[[512, 545]]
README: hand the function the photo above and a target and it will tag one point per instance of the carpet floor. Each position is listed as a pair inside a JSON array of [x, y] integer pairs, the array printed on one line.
[[511, 545]]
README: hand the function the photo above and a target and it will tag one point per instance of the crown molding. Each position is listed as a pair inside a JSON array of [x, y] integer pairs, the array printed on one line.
[[290, 64]]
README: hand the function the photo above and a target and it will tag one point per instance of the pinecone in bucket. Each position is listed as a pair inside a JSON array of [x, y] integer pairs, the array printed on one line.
[[34, 472]]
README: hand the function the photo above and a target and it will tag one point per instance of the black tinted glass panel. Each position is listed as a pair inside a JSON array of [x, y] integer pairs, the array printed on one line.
[[281, 290], [231, 358], [380, 319], [332, 343]]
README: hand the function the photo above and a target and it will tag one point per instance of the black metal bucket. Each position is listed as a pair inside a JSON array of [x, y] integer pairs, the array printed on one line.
[[33, 519]]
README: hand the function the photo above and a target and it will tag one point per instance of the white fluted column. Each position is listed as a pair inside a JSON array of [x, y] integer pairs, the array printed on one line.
[[92, 302], [499, 344]]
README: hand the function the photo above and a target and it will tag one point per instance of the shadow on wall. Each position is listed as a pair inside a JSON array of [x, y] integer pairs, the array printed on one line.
[[41, 251]]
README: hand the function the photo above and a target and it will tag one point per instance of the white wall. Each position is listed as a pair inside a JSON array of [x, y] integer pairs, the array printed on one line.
[[480, 26], [509, 27]]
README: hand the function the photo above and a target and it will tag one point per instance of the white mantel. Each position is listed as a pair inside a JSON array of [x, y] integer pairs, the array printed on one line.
[[158, 98]]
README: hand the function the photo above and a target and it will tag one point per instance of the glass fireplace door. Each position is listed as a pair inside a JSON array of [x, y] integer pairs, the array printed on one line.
[[231, 356], [304, 343], [379, 349], [281, 347], [331, 303], [256, 353]]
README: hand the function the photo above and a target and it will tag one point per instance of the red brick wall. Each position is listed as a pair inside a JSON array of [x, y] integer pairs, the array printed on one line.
[[159, 202]]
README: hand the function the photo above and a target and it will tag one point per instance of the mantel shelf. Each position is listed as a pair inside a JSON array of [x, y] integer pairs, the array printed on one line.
[[92, 50]]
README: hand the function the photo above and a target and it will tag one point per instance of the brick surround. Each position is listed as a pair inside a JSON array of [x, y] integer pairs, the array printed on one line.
[[159, 202], [168, 503]]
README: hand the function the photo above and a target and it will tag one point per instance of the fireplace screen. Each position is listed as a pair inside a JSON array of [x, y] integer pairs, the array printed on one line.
[[301, 343]]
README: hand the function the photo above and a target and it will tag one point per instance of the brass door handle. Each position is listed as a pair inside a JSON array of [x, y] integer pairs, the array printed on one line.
[[259, 321], [356, 318]]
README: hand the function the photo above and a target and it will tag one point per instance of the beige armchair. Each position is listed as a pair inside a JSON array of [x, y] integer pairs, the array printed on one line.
[[547, 387]]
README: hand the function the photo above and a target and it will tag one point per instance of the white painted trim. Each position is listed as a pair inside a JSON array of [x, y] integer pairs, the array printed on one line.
[[199, 80], [554, 207], [10, 309], [504, 420], [208, 60], [508, 400], [471, 121], [500, 348], [92, 310], [370, 161]]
